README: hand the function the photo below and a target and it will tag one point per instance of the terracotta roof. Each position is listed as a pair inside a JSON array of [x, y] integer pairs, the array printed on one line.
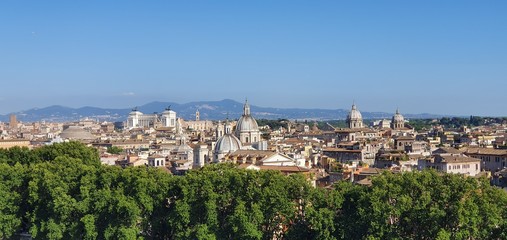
[[252, 153], [404, 138], [403, 129], [341, 150], [285, 168], [293, 140], [459, 159], [486, 151], [447, 150], [347, 130], [166, 170], [14, 140], [347, 143], [245, 165], [365, 182], [165, 129], [370, 171]]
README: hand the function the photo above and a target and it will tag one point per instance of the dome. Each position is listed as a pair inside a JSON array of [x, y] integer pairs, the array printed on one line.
[[354, 114], [398, 117], [182, 149], [227, 143], [246, 124], [76, 133]]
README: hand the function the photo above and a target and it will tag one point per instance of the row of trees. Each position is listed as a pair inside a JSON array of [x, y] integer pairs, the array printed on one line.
[[417, 124], [62, 192], [273, 124], [456, 122]]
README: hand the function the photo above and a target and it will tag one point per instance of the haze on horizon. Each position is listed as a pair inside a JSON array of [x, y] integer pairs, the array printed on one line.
[[441, 57]]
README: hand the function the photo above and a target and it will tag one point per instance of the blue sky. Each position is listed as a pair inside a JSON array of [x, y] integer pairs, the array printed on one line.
[[444, 57]]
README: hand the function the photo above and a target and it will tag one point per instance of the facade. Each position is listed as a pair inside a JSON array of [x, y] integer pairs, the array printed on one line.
[[137, 119], [247, 130], [491, 159], [260, 158], [395, 158], [403, 143], [451, 160], [384, 123], [453, 164], [347, 135], [198, 124], [201, 156], [14, 143], [156, 161], [344, 155], [127, 144], [182, 151]]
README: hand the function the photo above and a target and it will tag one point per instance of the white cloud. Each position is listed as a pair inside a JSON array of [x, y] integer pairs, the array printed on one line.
[[128, 94]]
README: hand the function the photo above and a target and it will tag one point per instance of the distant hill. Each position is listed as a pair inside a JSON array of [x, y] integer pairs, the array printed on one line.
[[209, 110]]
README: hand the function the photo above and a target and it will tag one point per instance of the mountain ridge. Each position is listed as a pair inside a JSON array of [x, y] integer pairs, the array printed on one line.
[[209, 110]]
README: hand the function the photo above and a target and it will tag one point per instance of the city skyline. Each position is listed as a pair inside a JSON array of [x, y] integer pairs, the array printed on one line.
[[432, 57]]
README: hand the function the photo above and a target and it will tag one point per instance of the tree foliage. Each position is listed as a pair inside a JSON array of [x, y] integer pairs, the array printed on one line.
[[115, 150], [456, 122], [424, 205], [60, 192], [273, 124]]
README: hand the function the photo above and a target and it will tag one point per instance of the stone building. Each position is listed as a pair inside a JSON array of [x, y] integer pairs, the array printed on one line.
[[137, 119], [450, 160]]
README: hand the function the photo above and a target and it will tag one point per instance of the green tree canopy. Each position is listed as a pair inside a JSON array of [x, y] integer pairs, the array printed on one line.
[[61, 192]]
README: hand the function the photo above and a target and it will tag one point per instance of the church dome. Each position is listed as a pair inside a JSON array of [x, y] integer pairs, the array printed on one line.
[[182, 148], [227, 143], [354, 114], [247, 124], [398, 117], [76, 133]]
